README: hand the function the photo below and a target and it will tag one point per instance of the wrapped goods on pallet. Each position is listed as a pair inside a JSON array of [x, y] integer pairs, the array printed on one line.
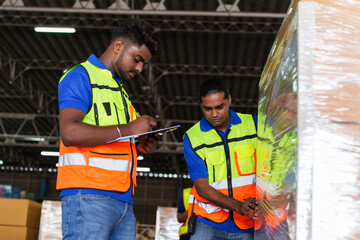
[[308, 156]]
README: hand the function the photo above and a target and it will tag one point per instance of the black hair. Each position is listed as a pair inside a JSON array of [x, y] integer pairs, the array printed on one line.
[[211, 86], [138, 34]]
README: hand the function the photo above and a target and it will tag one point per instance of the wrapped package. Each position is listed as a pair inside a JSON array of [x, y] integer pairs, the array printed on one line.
[[167, 226], [308, 153], [50, 221]]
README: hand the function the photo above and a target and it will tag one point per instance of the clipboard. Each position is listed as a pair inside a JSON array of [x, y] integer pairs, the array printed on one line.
[[160, 131]]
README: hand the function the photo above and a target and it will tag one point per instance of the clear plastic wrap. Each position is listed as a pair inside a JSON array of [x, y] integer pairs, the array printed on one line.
[[167, 226], [50, 221], [308, 156]]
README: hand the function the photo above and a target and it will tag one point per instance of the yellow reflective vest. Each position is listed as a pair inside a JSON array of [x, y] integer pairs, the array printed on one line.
[[231, 169], [184, 227], [110, 166]]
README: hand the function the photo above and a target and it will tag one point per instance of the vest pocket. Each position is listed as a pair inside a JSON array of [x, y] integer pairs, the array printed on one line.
[[120, 113], [110, 163], [244, 159], [216, 165]]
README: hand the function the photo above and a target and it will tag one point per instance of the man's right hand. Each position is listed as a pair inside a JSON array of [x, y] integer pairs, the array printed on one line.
[[142, 124], [250, 208]]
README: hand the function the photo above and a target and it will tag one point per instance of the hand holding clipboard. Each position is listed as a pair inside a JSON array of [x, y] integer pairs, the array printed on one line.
[[160, 131]]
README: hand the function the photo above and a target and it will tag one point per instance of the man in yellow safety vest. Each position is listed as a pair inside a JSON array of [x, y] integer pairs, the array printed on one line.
[[220, 152], [97, 168]]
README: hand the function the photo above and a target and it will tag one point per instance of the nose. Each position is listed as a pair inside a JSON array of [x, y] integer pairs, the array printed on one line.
[[213, 113], [139, 67]]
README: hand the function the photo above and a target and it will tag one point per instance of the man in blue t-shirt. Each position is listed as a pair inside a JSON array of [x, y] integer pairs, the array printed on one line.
[[223, 198], [97, 188]]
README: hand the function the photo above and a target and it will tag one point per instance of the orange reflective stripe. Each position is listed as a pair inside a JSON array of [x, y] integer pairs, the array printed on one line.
[[255, 159], [131, 113], [237, 163]]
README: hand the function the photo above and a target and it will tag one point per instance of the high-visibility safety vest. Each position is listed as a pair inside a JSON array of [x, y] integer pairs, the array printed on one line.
[[109, 167], [184, 227], [231, 169]]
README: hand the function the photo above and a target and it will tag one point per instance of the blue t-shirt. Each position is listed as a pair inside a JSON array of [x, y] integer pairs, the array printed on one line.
[[197, 168], [75, 92]]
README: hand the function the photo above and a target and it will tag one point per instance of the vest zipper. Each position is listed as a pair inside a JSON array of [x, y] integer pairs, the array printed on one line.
[[127, 116], [214, 173], [228, 168], [96, 114], [132, 167]]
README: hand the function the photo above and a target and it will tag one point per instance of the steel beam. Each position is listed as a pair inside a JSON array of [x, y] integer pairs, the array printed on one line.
[[161, 69], [172, 25], [142, 12]]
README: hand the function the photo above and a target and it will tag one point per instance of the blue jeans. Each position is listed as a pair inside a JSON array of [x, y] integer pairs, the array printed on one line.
[[207, 232], [91, 216]]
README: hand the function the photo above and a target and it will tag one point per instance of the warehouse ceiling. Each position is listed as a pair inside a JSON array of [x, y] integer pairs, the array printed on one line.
[[229, 39]]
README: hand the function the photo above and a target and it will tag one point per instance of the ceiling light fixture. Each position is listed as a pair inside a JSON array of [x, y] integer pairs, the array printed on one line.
[[55, 29], [48, 153], [34, 139], [140, 157], [143, 169]]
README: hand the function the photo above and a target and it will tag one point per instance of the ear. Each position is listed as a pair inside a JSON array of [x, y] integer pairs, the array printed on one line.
[[118, 46], [229, 99]]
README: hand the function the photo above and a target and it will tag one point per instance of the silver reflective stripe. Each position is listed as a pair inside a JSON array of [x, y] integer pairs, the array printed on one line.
[[243, 180], [236, 182], [192, 199], [72, 159], [109, 164], [206, 206], [209, 208]]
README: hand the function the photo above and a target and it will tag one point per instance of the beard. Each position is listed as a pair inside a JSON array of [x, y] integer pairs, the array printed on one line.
[[121, 74]]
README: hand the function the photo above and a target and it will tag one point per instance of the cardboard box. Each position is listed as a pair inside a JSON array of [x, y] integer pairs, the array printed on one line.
[[19, 212], [18, 233]]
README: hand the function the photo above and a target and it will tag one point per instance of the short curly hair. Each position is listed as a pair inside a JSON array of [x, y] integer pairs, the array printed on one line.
[[138, 34]]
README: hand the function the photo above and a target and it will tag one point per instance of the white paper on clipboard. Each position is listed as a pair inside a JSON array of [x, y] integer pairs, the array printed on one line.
[[160, 131]]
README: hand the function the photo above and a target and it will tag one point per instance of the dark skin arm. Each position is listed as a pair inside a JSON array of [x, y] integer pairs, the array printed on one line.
[[181, 217], [206, 191], [76, 133]]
